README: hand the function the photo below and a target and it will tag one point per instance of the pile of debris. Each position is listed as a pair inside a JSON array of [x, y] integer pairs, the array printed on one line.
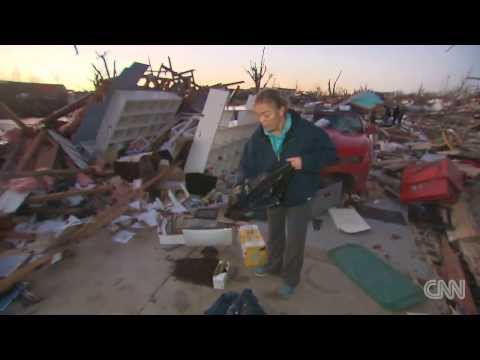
[[431, 163], [125, 157]]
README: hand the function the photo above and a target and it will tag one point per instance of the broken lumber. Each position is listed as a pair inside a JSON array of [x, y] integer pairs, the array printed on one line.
[[451, 269], [470, 170], [8, 282], [50, 119], [389, 181], [35, 199], [32, 150], [4, 108], [49, 172], [465, 226], [471, 254], [106, 216]]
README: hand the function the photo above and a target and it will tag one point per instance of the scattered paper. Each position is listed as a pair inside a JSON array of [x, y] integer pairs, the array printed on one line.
[[348, 220], [54, 226], [125, 220], [137, 183], [74, 200], [138, 225], [123, 236], [56, 258], [135, 205], [156, 205], [149, 217]]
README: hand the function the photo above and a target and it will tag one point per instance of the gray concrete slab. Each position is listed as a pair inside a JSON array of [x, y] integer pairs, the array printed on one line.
[[105, 277]]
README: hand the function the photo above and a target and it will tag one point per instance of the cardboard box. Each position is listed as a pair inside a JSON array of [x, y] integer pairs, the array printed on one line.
[[253, 246], [220, 276]]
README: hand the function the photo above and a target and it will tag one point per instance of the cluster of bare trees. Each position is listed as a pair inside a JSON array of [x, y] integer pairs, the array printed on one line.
[[99, 78]]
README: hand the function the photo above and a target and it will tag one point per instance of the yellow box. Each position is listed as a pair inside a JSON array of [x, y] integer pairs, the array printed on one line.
[[253, 246]]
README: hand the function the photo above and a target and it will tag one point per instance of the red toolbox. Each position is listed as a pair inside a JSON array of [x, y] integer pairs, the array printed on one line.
[[435, 181]]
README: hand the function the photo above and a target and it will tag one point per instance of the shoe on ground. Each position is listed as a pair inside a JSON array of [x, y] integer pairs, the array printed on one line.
[[286, 291]]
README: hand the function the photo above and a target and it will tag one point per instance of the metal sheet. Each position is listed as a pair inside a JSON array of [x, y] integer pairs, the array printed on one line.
[[11, 200], [69, 149]]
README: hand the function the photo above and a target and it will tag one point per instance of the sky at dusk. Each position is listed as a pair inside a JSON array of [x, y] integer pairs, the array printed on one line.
[[380, 67]]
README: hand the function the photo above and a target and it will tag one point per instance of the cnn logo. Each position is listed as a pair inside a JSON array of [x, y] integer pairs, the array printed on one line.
[[439, 289]]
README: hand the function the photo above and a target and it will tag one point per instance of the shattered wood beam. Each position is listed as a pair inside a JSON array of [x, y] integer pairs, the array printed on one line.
[[23, 271], [3, 107], [106, 216], [49, 172], [35, 199], [32, 150], [66, 110]]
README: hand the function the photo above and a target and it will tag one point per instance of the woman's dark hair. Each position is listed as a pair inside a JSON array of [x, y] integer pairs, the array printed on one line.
[[273, 97]]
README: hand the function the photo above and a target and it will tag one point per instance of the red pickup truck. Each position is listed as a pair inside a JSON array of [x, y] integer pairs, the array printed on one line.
[[350, 133]]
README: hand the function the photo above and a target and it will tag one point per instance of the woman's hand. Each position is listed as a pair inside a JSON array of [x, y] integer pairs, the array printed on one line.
[[296, 162]]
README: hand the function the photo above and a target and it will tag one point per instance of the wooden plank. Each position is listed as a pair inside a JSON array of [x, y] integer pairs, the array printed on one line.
[[449, 152], [47, 154], [452, 269], [32, 150], [22, 272], [471, 254], [469, 170], [50, 119], [62, 195], [49, 172], [25, 129], [463, 222], [106, 216]]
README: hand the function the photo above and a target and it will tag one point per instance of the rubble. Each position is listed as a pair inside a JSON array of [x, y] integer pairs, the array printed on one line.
[[155, 151], [117, 158], [431, 164]]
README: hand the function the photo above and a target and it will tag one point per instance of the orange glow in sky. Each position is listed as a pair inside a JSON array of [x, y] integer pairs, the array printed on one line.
[[383, 68]]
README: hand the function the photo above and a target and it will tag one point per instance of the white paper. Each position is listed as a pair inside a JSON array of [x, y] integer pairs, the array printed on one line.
[[149, 217], [135, 205], [348, 220], [74, 200], [56, 258], [156, 205], [123, 236], [138, 225], [137, 183], [123, 219]]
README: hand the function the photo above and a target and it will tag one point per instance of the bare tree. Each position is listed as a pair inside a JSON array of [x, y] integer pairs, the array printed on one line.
[[331, 91], [98, 76], [257, 73]]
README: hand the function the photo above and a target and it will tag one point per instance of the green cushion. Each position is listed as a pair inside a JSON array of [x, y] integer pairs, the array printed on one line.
[[388, 287]]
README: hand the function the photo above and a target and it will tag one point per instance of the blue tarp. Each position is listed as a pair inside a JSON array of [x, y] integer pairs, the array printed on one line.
[[366, 100]]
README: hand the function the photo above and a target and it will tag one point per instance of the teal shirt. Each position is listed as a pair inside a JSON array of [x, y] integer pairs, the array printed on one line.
[[277, 140]]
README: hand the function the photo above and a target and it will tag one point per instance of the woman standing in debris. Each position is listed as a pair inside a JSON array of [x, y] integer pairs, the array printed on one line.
[[283, 136]]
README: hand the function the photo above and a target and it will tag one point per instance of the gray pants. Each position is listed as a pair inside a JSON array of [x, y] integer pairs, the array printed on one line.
[[286, 250]]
